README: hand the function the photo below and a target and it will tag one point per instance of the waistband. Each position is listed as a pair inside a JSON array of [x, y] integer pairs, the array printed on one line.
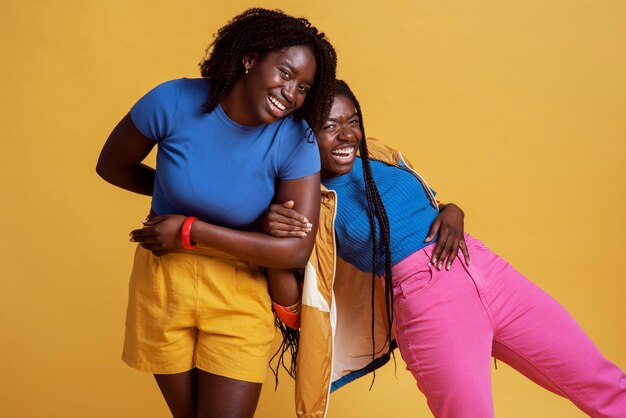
[[417, 259]]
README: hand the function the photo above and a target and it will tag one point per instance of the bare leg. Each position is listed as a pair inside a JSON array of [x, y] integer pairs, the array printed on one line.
[[180, 391], [222, 397]]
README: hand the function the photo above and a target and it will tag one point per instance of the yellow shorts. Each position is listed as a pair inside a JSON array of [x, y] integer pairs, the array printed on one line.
[[199, 308]]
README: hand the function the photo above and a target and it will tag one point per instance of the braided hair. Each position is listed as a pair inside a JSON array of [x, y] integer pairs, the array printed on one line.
[[376, 212], [261, 31]]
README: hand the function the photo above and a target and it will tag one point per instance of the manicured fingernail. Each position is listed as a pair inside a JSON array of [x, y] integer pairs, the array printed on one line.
[[132, 239], [448, 266], [303, 234], [439, 265], [143, 221], [309, 225], [434, 260]]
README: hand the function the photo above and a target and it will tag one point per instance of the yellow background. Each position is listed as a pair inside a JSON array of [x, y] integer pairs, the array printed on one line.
[[514, 110]]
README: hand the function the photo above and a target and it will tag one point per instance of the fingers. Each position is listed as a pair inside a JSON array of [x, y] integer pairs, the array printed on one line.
[[463, 247], [444, 248], [138, 235], [454, 250], [447, 248], [434, 228], [436, 257], [152, 220], [283, 231], [284, 222], [289, 215]]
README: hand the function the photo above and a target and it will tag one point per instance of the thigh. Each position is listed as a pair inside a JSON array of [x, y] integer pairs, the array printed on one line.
[[235, 320], [180, 392], [445, 337], [160, 319], [223, 397], [538, 337]]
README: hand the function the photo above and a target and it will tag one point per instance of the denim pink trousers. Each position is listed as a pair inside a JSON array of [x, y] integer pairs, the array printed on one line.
[[448, 325]]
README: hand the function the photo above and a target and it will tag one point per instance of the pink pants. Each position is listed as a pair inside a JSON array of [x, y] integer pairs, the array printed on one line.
[[448, 324]]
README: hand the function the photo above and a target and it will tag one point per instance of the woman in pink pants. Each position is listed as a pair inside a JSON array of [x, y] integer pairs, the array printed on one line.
[[449, 318]]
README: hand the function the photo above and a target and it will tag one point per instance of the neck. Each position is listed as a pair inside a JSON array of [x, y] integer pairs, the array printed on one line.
[[234, 104]]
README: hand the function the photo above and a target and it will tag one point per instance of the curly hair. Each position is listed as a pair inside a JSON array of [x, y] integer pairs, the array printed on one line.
[[261, 31]]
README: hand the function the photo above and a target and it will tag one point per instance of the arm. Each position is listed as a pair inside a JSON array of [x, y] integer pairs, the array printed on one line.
[[121, 157], [286, 293], [284, 288], [449, 224], [162, 233]]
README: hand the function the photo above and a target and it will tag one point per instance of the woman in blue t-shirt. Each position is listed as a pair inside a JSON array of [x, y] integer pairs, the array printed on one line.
[[449, 318], [200, 318]]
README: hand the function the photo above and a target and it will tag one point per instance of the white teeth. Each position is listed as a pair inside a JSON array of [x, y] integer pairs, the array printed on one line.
[[343, 152], [277, 103]]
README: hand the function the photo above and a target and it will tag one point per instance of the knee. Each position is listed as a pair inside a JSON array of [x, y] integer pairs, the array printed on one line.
[[458, 394]]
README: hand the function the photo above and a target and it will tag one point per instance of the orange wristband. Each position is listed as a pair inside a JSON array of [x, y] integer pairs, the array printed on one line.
[[290, 315], [185, 233]]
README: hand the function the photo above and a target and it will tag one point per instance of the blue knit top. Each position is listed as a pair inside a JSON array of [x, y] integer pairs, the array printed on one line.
[[212, 167], [408, 208]]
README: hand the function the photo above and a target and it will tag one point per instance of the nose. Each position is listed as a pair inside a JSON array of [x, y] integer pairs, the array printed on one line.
[[289, 91], [345, 133]]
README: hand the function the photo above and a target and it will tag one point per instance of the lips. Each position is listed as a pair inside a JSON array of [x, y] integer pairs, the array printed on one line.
[[276, 104], [344, 154]]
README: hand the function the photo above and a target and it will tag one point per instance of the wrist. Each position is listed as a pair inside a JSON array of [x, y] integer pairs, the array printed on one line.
[[185, 234], [456, 208]]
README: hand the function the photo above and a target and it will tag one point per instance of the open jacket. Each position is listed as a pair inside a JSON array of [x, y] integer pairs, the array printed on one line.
[[336, 328]]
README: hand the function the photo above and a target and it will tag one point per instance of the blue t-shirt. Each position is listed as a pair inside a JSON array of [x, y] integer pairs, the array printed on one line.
[[408, 208], [211, 167]]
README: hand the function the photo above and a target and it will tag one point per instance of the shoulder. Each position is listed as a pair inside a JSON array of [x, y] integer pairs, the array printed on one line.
[[181, 87], [378, 147]]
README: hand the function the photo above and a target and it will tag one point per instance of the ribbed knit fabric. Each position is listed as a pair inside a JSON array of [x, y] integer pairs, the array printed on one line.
[[408, 208]]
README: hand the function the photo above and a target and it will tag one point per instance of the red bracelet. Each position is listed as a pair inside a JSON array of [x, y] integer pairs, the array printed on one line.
[[185, 233]]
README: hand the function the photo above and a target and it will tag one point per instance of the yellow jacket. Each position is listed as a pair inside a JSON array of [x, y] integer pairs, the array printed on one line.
[[335, 333]]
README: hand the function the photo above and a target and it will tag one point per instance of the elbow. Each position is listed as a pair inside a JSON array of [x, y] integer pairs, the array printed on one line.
[[104, 173], [301, 260], [102, 169], [298, 257]]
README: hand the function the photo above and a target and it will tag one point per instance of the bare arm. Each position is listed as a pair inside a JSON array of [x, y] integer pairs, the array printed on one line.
[[162, 233], [283, 287], [120, 161]]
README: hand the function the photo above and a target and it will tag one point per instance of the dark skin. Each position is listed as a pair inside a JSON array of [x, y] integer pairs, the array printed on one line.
[[272, 88], [338, 142]]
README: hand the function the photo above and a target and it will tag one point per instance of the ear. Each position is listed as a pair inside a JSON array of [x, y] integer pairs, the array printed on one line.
[[249, 60]]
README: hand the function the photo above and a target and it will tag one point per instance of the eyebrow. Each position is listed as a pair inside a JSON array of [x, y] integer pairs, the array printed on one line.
[[337, 120]]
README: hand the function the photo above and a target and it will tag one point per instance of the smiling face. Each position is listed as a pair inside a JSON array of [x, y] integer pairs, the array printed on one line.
[[274, 86], [339, 138]]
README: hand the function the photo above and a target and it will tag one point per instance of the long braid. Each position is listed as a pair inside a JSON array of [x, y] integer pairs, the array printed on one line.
[[376, 211], [261, 31]]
